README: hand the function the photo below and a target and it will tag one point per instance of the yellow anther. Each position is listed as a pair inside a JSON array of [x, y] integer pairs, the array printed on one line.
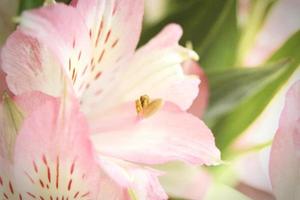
[[138, 106], [145, 100], [146, 108]]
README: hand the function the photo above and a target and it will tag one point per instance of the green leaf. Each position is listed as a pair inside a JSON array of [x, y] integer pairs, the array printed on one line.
[[290, 49], [239, 96], [211, 26]]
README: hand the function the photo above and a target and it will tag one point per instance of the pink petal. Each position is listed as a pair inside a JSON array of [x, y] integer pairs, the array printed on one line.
[[111, 190], [257, 162], [63, 24], [5, 178], [168, 135], [168, 37], [254, 193], [30, 66], [154, 70], [285, 160], [162, 57], [141, 182], [199, 105], [53, 150], [146, 185], [114, 27], [62, 29]]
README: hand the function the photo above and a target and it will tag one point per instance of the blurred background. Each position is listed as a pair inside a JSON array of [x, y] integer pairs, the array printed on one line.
[[249, 57]]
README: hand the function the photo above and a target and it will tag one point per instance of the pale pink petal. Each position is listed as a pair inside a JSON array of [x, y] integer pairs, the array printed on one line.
[[162, 58], [146, 185], [285, 153], [200, 103], [257, 162], [5, 179], [110, 189], [62, 29], [114, 28], [154, 70], [170, 134], [254, 193], [138, 182], [30, 66], [54, 156]]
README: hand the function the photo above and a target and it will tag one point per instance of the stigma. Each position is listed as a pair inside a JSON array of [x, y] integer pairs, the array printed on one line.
[[145, 107]]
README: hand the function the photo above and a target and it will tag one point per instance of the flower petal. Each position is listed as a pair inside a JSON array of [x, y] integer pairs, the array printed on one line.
[[168, 135], [53, 156], [30, 66], [254, 193], [114, 28], [285, 160], [154, 70], [138, 182], [257, 162], [61, 29], [199, 105]]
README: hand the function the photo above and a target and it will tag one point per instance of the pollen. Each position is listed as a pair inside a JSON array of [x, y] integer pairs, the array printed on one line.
[[145, 107]]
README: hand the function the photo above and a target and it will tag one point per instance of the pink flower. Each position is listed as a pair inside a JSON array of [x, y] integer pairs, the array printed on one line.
[[285, 157], [91, 46], [49, 156]]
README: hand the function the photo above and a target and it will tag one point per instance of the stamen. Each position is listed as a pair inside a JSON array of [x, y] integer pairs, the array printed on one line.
[[145, 100], [146, 108]]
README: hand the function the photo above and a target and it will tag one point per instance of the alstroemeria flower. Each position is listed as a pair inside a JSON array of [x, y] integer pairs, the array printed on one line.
[[91, 44], [45, 151]]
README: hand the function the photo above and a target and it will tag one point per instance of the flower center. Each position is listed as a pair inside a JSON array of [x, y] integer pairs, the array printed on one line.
[[145, 107]]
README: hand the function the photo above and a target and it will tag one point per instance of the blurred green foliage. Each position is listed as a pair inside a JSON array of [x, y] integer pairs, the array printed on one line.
[[238, 96], [29, 4]]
